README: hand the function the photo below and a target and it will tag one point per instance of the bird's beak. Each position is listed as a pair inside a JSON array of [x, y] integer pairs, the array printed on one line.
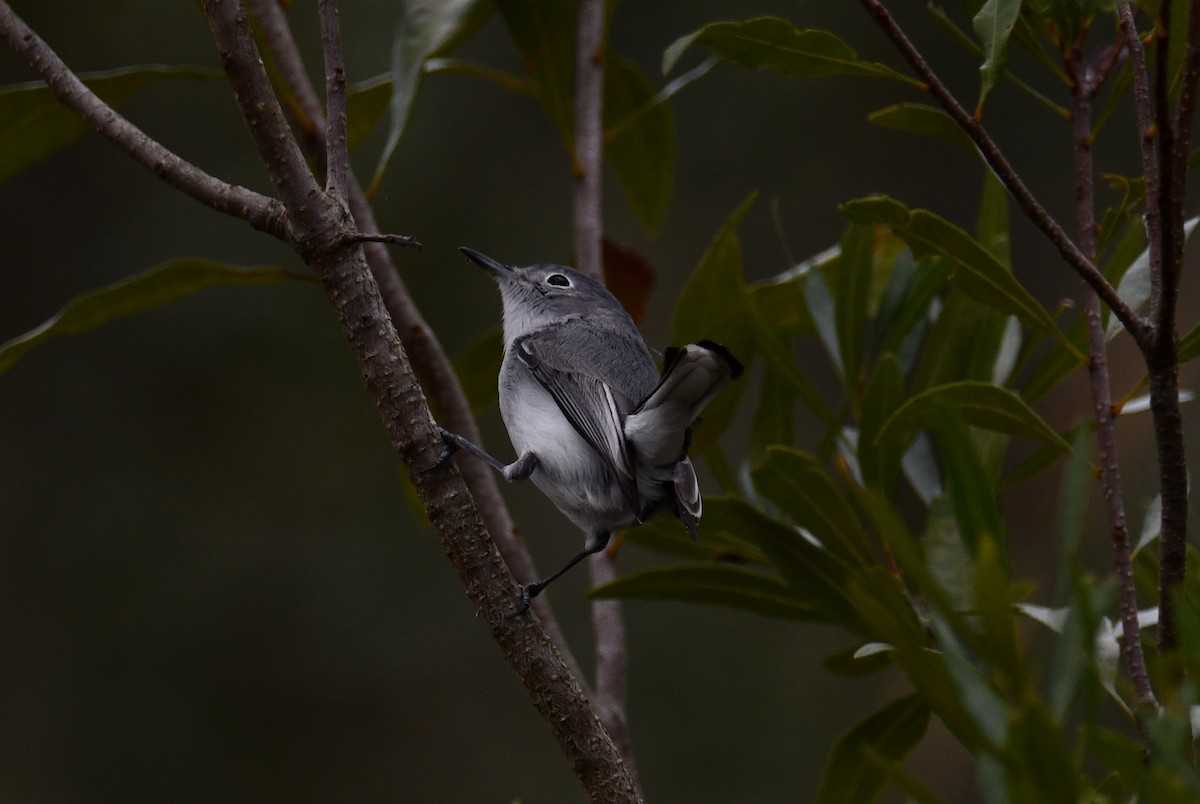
[[494, 267]]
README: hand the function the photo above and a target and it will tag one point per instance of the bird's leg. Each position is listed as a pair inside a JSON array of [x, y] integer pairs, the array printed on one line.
[[520, 469], [595, 543]]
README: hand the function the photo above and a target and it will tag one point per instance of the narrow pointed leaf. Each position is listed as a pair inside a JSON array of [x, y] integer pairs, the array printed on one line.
[[156, 287], [993, 24], [34, 125], [425, 28], [880, 461], [853, 774], [854, 271], [924, 121], [544, 33], [770, 43], [978, 403], [711, 584]]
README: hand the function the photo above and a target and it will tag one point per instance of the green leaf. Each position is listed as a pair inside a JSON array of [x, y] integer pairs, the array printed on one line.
[[976, 271], [992, 225], [978, 403], [711, 584], [796, 483], [1134, 287], [967, 482], [880, 461], [365, 104], [478, 370], [426, 28], [715, 305], [544, 33], [922, 120], [34, 125], [852, 775], [642, 155], [854, 662], [993, 25], [854, 270], [156, 287], [770, 43]]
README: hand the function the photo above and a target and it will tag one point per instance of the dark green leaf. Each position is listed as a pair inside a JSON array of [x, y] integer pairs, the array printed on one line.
[[924, 121], [34, 125], [897, 326], [796, 483], [642, 155], [712, 584], [968, 484], [992, 225], [478, 370], [365, 104], [544, 33], [770, 43], [994, 607], [993, 24], [963, 343], [854, 270], [156, 287], [852, 663], [715, 304], [978, 403], [851, 775], [976, 271], [426, 28], [880, 461]]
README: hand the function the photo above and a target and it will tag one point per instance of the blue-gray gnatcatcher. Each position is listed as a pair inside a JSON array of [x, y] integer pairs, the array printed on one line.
[[594, 424]]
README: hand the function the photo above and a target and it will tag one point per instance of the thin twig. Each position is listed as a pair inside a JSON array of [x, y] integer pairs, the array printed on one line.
[[263, 213], [589, 136], [337, 158], [608, 624], [1032, 208], [1106, 429], [429, 360], [408, 241]]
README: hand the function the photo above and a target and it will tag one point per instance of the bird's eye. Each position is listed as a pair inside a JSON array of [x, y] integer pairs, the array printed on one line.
[[558, 280]]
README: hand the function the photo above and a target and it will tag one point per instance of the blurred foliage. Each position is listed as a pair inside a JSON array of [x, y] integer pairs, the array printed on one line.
[[889, 528]]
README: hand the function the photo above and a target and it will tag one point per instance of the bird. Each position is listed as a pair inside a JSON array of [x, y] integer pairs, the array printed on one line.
[[595, 425]]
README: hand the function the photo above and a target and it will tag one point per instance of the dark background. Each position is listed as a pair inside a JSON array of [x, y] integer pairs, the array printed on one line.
[[211, 586]]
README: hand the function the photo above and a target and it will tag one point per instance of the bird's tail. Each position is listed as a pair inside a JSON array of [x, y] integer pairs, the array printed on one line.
[[659, 427]]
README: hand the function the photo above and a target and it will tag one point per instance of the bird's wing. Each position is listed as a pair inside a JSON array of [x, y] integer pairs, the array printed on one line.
[[595, 378]]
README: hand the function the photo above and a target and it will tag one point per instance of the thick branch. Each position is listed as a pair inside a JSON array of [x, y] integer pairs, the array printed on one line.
[[264, 214], [992, 154], [429, 360], [347, 281], [1106, 428]]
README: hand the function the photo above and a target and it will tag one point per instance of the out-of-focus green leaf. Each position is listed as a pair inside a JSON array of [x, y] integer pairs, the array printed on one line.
[[823, 309], [967, 482], [993, 24], [1057, 364], [156, 287], [880, 461], [712, 584], [544, 33], [715, 304], [922, 120], [854, 269], [796, 483], [478, 370], [978, 403], [365, 104], [780, 308], [853, 664], [896, 326], [1189, 345], [34, 125], [642, 155], [976, 271], [852, 775], [774, 419], [1134, 287], [994, 607], [770, 43], [962, 344], [426, 28], [1041, 767], [992, 224]]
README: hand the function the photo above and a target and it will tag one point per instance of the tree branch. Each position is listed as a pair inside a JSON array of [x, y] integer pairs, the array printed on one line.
[[337, 158], [429, 360], [1106, 429], [589, 141], [347, 281], [992, 154], [263, 213]]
